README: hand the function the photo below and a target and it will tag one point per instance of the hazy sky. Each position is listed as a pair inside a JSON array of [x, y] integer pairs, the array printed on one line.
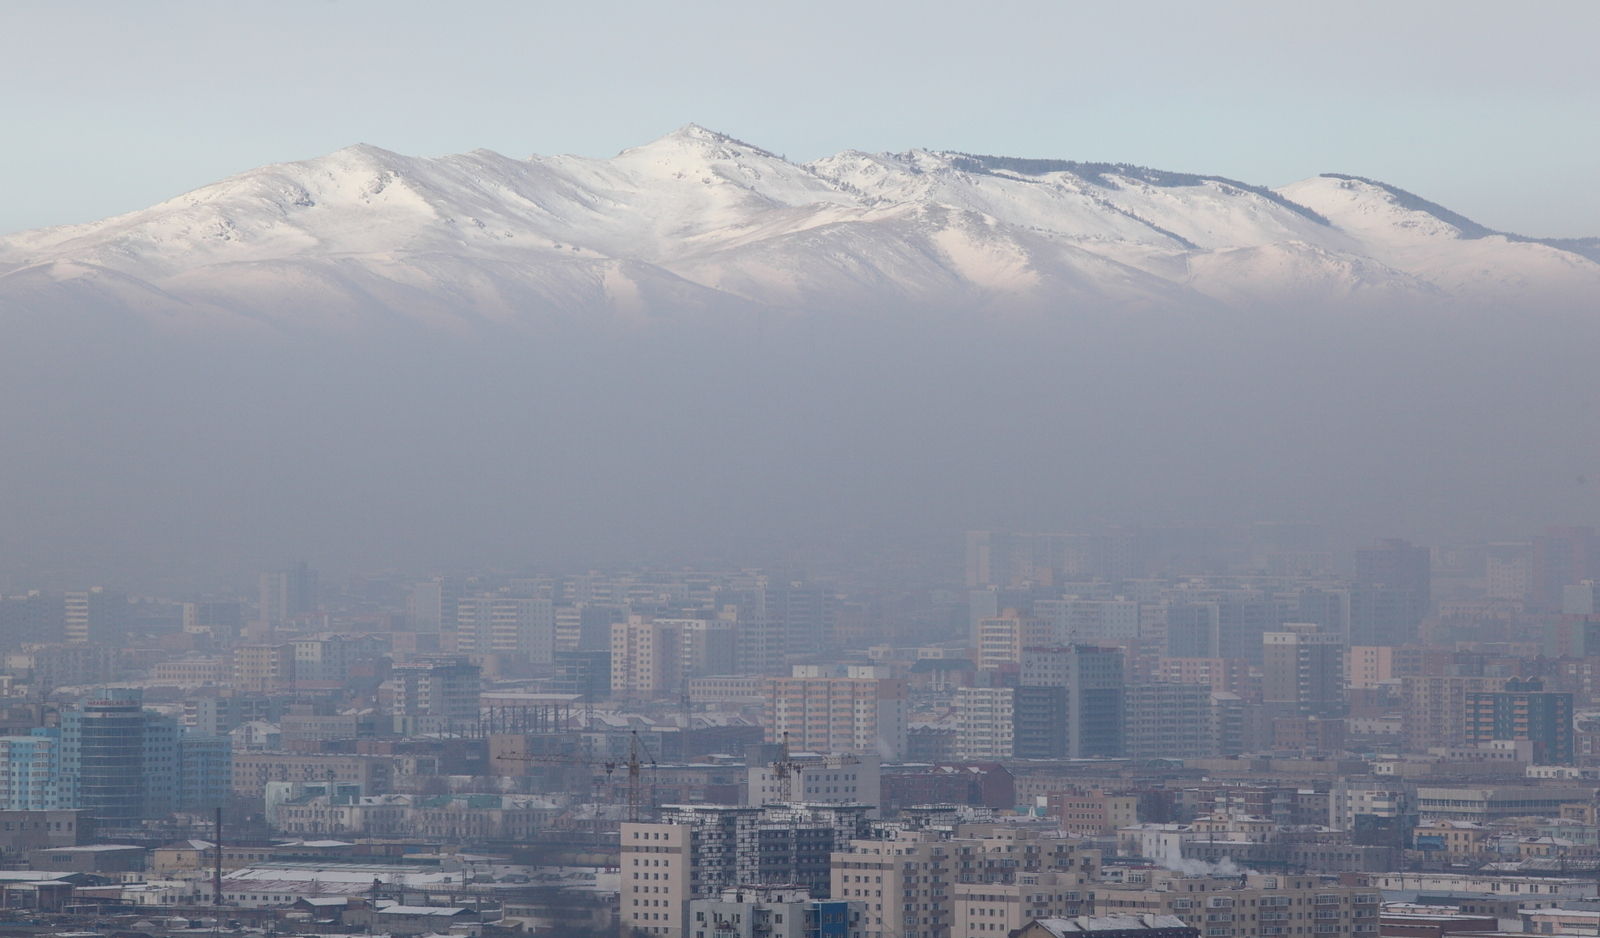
[[1487, 107]]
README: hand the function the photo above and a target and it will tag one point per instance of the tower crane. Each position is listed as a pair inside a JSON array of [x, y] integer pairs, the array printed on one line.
[[638, 758], [786, 767]]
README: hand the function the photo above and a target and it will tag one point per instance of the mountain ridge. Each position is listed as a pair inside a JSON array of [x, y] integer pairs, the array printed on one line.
[[701, 218]]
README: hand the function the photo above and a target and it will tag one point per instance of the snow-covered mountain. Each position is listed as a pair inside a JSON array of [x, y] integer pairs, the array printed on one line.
[[697, 221]]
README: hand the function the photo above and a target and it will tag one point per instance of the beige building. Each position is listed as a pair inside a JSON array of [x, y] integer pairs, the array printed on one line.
[[838, 714], [191, 672], [1436, 708], [1368, 666], [1451, 840], [253, 770], [1261, 906], [698, 850], [520, 627], [656, 874], [1483, 804], [263, 669], [1002, 638], [200, 856], [646, 658], [994, 910], [1006, 878], [984, 723], [903, 885], [1092, 812], [984, 882]]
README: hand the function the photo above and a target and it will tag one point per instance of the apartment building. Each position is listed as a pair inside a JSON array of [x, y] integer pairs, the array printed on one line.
[[843, 778], [1253, 906], [1006, 877], [995, 910], [1303, 669], [903, 884], [1168, 721], [983, 881], [1524, 710], [1482, 804], [263, 669], [520, 627], [1002, 638], [253, 770], [984, 723], [1083, 684], [646, 658], [838, 714], [695, 851], [1092, 812], [772, 912]]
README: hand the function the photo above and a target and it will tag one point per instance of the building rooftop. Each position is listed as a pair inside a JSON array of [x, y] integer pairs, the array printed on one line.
[[1098, 923]]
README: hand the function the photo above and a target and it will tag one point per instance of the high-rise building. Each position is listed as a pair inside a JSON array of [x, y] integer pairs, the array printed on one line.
[[1508, 571], [1089, 621], [522, 628], [1000, 887], [32, 618], [1563, 556], [1093, 682], [1005, 559], [802, 613], [838, 714], [646, 658], [431, 605], [1303, 670], [1435, 708], [288, 594], [434, 695], [1391, 593], [263, 669], [1524, 710], [1039, 719], [119, 762], [96, 616], [1001, 639], [1226, 626], [1168, 721], [584, 673], [904, 884], [696, 851], [705, 647], [984, 724], [30, 772], [221, 620], [981, 881], [205, 772]]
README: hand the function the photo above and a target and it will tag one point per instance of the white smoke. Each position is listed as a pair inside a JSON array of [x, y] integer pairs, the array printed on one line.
[[1197, 867]]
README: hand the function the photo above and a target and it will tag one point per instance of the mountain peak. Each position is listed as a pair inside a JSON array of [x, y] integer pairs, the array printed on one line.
[[365, 151], [699, 138], [1416, 203], [698, 132]]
